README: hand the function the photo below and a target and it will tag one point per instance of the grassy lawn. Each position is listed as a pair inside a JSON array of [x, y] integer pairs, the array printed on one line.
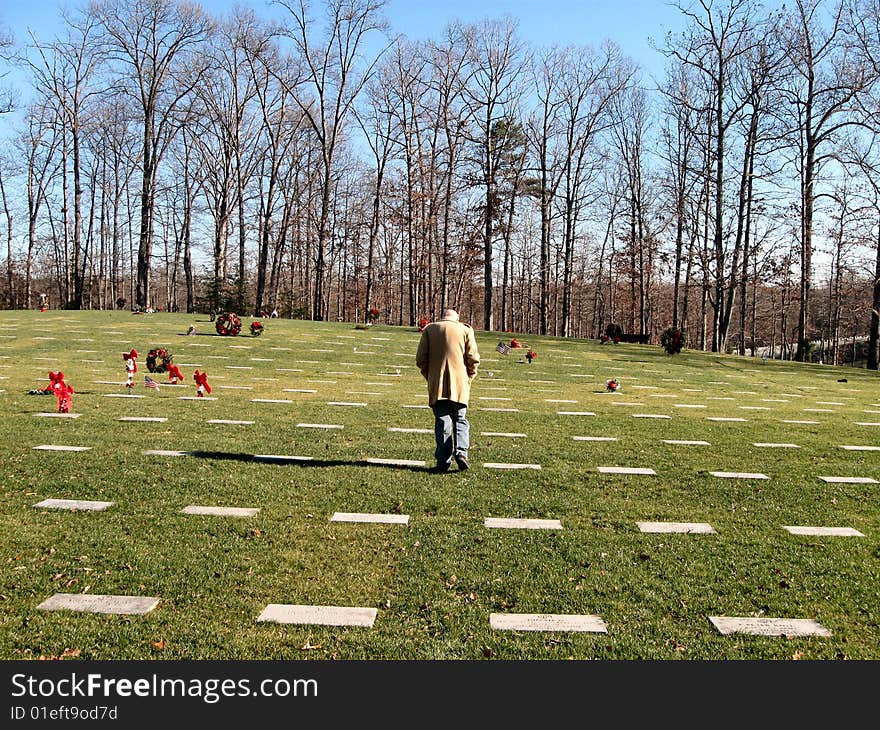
[[436, 580]]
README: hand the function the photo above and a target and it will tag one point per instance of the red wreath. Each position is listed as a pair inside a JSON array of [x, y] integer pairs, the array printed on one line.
[[423, 322], [228, 324], [158, 360], [257, 328]]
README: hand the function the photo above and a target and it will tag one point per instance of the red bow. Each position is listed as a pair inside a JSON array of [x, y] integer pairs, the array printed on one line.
[[174, 373], [202, 380]]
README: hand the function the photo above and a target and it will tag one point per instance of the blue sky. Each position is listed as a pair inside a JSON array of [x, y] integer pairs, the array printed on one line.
[[630, 23]]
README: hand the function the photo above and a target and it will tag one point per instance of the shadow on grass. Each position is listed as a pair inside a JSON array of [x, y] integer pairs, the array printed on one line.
[[301, 461]]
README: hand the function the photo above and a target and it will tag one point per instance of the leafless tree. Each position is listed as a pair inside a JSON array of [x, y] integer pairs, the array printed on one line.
[[155, 44]]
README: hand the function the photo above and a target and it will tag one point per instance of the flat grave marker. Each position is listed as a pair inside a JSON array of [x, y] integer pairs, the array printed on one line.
[[594, 438], [319, 425], [775, 446], [370, 518], [194, 509], [738, 475], [56, 447], [94, 603], [502, 465], [345, 403], [522, 524], [822, 531], [848, 480], [504, 434], [318, 615], [575, 413], [142, 419], [74, 504], [396, 429], [165, 452], [270, 400], [806, 423], [58, 415], [676, 442], [396, 462], [726, 420], [547, 622], [787, 627], [650, 415], [499, 410], [691, 528], [860, 448], [224, 422], [641, 471]]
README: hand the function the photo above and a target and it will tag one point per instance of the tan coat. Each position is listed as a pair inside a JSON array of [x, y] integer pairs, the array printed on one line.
[[448, 359]]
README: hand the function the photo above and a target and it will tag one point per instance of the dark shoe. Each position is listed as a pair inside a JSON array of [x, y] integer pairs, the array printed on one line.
[[462, 461]]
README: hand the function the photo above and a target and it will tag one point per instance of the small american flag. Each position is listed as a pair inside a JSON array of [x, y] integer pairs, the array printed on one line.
[[150, 383], [503, 349]]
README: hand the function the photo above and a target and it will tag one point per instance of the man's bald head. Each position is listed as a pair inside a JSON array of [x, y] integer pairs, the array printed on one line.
[[450, 314]]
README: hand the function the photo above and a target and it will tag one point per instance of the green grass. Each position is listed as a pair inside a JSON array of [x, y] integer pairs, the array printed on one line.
[[435, 581]]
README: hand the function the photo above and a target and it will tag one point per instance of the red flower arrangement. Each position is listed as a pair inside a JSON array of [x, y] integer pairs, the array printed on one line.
[[515, 343], [257, 328], [423, 322], [612, 385], [374, 314], [531, 355]]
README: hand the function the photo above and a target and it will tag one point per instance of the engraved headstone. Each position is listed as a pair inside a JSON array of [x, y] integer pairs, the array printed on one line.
[[194, 509], [738, 475], [385, 519], [768, 626], [502, 465], [74, 504], [522, 524], [546, 622], [823, 531], [685, 527], [318, 615], [94, 603]]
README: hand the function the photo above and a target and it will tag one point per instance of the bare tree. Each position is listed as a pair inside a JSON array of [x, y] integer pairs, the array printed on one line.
[[493, 92], [826, 79], [325, 90], [156, 44]]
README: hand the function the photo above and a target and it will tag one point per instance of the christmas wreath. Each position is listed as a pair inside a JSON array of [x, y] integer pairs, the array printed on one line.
[[158, 360], [257, 328], [228, 323], [672, 340], [612, 385]]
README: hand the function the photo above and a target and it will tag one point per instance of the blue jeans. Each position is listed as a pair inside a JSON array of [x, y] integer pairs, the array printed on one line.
[[452, 432]]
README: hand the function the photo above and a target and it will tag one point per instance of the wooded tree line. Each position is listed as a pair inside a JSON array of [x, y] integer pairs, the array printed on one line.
[[313, 162]]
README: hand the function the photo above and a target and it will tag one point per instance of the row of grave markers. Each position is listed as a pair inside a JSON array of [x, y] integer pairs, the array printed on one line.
[[697, 528], [365, 617], [623, 470], [360, 616]]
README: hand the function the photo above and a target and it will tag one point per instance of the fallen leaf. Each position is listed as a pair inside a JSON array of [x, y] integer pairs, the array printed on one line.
[[797, 655], [160, 645]]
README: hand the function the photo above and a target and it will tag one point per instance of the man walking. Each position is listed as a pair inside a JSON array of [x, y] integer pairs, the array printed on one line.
[[448, 359]]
